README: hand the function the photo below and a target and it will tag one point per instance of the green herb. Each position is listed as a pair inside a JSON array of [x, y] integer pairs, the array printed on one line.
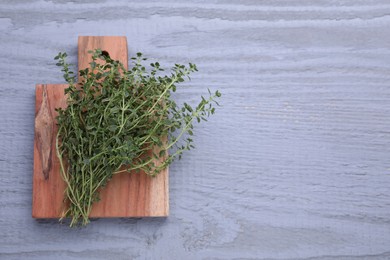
[[116, 117]]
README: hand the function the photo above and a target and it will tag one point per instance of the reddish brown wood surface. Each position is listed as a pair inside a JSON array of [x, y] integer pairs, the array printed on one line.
[[126, 195], [115, 46], [48, 186]]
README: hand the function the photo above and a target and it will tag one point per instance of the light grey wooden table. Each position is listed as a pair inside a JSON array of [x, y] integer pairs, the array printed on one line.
[[295, 165]]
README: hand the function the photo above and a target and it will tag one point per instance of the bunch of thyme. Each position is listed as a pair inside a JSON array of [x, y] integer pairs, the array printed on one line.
[[114, 121]]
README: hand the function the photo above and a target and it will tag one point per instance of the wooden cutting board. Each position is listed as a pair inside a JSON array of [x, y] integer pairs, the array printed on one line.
[[126, 195]]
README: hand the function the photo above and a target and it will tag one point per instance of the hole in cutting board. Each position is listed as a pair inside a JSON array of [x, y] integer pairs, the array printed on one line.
[[106, 54]]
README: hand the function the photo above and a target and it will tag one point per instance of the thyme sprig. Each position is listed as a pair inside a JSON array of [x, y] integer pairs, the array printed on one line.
[[119, 120]]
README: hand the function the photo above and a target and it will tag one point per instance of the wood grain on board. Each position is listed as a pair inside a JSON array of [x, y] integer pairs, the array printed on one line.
[[115, 46], [126, 195]]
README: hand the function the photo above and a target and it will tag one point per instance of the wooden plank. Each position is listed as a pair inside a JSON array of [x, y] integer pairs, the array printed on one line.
[[48, 186], [126, 195], [115, 46]]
